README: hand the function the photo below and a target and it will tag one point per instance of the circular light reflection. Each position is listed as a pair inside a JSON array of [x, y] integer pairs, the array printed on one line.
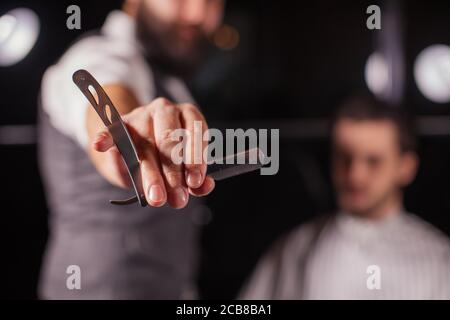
[[432, 73], [7, 24], [377, 74], [19, 30], [226, 38]]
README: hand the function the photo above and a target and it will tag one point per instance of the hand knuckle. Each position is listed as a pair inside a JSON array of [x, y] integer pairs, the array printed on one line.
[[157, 104], [162, 101], [190, 107], [165, 139], [169, 110]]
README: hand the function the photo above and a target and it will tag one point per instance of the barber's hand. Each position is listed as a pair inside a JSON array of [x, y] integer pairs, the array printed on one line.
[[151, 127]]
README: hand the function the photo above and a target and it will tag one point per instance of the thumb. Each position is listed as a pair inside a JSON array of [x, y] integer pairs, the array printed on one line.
[[103, 141]]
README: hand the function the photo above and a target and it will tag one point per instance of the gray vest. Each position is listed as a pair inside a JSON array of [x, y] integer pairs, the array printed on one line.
[[124, 252]]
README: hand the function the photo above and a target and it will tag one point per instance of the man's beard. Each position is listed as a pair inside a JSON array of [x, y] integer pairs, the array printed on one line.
[[165, 50]]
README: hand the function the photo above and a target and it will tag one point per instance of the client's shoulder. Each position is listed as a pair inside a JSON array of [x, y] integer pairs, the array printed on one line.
[[425, 233], [303, 235]]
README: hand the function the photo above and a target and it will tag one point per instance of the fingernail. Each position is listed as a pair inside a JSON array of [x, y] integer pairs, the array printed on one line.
[[156, 193], [194, 178], [101, 136], [181, 195], [99, 140]]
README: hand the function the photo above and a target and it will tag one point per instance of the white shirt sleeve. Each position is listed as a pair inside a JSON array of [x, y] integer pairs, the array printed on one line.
[[111, 61]]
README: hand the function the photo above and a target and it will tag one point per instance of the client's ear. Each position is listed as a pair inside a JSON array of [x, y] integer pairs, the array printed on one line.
[[408, 168]]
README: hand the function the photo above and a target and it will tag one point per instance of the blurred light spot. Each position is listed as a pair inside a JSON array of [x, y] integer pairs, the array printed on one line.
[[226, 38], [202, 215], [377, 74], [432, 73], [17, 134], [19, 30], [7, 24]]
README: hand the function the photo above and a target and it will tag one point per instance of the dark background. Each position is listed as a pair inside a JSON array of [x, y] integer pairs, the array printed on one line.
[[295, 61]]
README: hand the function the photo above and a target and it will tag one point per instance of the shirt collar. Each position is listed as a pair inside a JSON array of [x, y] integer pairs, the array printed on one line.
[[364, 228], [120, 25]]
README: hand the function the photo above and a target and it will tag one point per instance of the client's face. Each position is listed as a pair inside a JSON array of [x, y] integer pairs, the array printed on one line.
[[368, 165]]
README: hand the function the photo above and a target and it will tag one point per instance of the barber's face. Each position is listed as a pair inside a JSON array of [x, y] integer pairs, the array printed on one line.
[[176, 31], [368, 166]]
